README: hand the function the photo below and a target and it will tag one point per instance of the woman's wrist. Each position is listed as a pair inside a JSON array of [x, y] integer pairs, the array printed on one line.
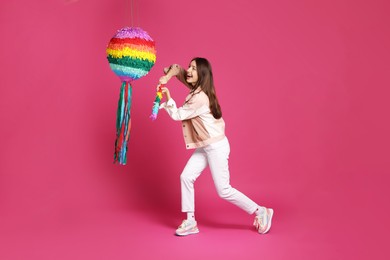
[[168, 77], [167, 96]]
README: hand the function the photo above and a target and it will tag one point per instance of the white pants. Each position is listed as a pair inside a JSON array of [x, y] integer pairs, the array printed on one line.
[[215, 155]]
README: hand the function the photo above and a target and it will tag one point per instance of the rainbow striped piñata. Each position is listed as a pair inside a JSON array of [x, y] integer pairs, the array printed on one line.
[[131, 54]]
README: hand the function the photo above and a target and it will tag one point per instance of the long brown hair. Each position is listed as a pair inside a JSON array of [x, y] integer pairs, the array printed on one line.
[[206, 83]]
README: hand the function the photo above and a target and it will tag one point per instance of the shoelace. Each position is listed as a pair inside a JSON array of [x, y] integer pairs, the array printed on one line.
[[184, 224]]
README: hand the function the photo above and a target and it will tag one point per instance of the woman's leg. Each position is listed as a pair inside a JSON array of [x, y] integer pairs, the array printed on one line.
[[218, 155], [194, 167]]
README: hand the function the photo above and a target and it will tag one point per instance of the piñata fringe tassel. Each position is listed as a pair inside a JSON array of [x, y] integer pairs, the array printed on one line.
[[123, 123], [156, 104]]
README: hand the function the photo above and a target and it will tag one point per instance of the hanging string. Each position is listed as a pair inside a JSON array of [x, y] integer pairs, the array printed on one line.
[[136, 17], [131, 13]]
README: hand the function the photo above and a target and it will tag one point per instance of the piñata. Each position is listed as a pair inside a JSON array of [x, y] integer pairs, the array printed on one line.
[[131, 54]]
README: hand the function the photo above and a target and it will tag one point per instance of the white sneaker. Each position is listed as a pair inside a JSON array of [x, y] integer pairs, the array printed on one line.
[[263, 221], [187, 227]]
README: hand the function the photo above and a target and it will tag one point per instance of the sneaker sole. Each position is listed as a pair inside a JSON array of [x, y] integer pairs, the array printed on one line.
[[270, 220], [196, 231]]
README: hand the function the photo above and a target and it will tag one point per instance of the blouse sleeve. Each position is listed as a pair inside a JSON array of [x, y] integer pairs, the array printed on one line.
[[196, 106]]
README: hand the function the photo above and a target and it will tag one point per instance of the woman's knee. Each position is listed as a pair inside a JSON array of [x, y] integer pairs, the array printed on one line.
[[186, 177], [224, 192]]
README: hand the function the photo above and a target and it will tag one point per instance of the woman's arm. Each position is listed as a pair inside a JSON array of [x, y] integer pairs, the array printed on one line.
[[195, 106], [179, 72]]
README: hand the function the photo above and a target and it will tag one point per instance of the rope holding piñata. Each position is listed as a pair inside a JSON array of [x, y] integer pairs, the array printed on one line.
[[131, 54]]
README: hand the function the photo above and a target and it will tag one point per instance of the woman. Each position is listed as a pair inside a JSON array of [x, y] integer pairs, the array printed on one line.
[[204, 131]]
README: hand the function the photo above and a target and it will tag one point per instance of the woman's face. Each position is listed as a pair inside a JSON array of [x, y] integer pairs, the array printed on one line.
[[192, 74]]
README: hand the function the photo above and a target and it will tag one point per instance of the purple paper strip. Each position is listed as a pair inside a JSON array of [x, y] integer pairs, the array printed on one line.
[[132, 32]]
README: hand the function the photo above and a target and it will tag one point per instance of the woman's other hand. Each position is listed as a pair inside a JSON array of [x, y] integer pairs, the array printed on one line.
[[165, 91]]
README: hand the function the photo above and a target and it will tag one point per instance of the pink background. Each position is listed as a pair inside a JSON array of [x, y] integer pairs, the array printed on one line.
[[304, 88]]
